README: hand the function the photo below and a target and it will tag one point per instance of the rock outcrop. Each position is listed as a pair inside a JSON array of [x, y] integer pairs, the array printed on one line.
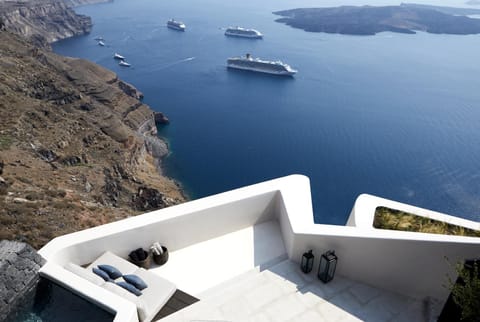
[[19, 266], [161, 118], [43, 21], [148, 199]]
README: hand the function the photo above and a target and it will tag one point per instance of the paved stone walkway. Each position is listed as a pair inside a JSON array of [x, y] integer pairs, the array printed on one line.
[[283, 293]]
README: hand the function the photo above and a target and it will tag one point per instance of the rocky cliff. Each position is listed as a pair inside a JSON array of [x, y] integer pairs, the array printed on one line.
[[77, 3], [78, 148], [43, 20]]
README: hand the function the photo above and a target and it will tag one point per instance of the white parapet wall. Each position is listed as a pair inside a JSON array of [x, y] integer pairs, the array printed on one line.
[[178, 227], [363, 213], [410, 263]]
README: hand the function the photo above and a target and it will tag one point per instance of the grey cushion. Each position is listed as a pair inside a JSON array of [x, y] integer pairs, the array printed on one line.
[[110, 258], [129, 287], [102, 274], [112, 271], [135, 281]]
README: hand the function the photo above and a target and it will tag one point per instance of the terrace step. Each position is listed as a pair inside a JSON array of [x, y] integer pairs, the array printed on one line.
[[283, 293]]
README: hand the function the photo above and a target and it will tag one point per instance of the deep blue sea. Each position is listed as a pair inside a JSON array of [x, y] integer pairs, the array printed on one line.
[[392, 115]]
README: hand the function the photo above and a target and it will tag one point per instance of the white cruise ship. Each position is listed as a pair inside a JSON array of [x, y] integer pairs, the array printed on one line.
[[262, 66], [243, 32], [177, 25]]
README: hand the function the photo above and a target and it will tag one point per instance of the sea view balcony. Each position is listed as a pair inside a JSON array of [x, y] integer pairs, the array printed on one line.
[[239, 252]]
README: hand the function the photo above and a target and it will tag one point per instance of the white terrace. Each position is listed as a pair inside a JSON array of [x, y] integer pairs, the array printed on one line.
[[238, 252]]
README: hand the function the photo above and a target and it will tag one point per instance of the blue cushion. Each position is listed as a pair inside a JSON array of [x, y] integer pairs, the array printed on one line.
[[113, 272], [130, 288], [135, 281], [101, 273]]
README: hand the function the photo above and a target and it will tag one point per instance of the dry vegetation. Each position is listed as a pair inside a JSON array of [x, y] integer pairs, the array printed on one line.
[[73, 151], [37, 222], [386, 218]]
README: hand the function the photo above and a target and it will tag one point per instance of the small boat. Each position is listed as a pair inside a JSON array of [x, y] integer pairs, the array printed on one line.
[[177, 25], [124, 63], [98, 38], [118, 56], [101, 43]]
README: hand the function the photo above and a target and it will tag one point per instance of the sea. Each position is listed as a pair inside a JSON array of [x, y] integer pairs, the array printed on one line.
[[393, 115]]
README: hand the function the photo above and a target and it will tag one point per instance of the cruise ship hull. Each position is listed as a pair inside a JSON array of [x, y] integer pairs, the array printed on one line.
[[243, 35], [265, 71], [176, 27]]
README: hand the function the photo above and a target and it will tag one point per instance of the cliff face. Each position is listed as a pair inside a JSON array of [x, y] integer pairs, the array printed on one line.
[[76, 3], [77, 146], [43, 20]]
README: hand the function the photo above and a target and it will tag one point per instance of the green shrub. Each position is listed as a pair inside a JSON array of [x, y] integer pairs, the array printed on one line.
[[65, 205], [386, 218], [56, 193], [5, 141], [466, 291], [25, 180], [34, 195]]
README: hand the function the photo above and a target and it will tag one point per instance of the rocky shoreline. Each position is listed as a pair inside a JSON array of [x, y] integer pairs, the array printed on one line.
[[78, 148]]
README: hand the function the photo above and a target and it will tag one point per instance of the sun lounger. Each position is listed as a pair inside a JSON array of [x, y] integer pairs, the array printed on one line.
[[152, 298]]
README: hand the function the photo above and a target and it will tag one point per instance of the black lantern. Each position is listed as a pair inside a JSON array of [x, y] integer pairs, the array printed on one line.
[[326, 269], [307, 262]]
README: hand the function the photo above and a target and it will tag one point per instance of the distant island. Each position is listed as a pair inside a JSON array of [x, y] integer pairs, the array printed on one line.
[[448, 10], [473, 2], [368, 20]]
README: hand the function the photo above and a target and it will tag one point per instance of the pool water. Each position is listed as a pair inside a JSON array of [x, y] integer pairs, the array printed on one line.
[[49, 302]]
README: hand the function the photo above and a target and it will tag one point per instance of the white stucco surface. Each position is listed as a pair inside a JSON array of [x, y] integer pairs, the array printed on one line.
[[199, 267], [366, 205], [282, 293], [214, 239]]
